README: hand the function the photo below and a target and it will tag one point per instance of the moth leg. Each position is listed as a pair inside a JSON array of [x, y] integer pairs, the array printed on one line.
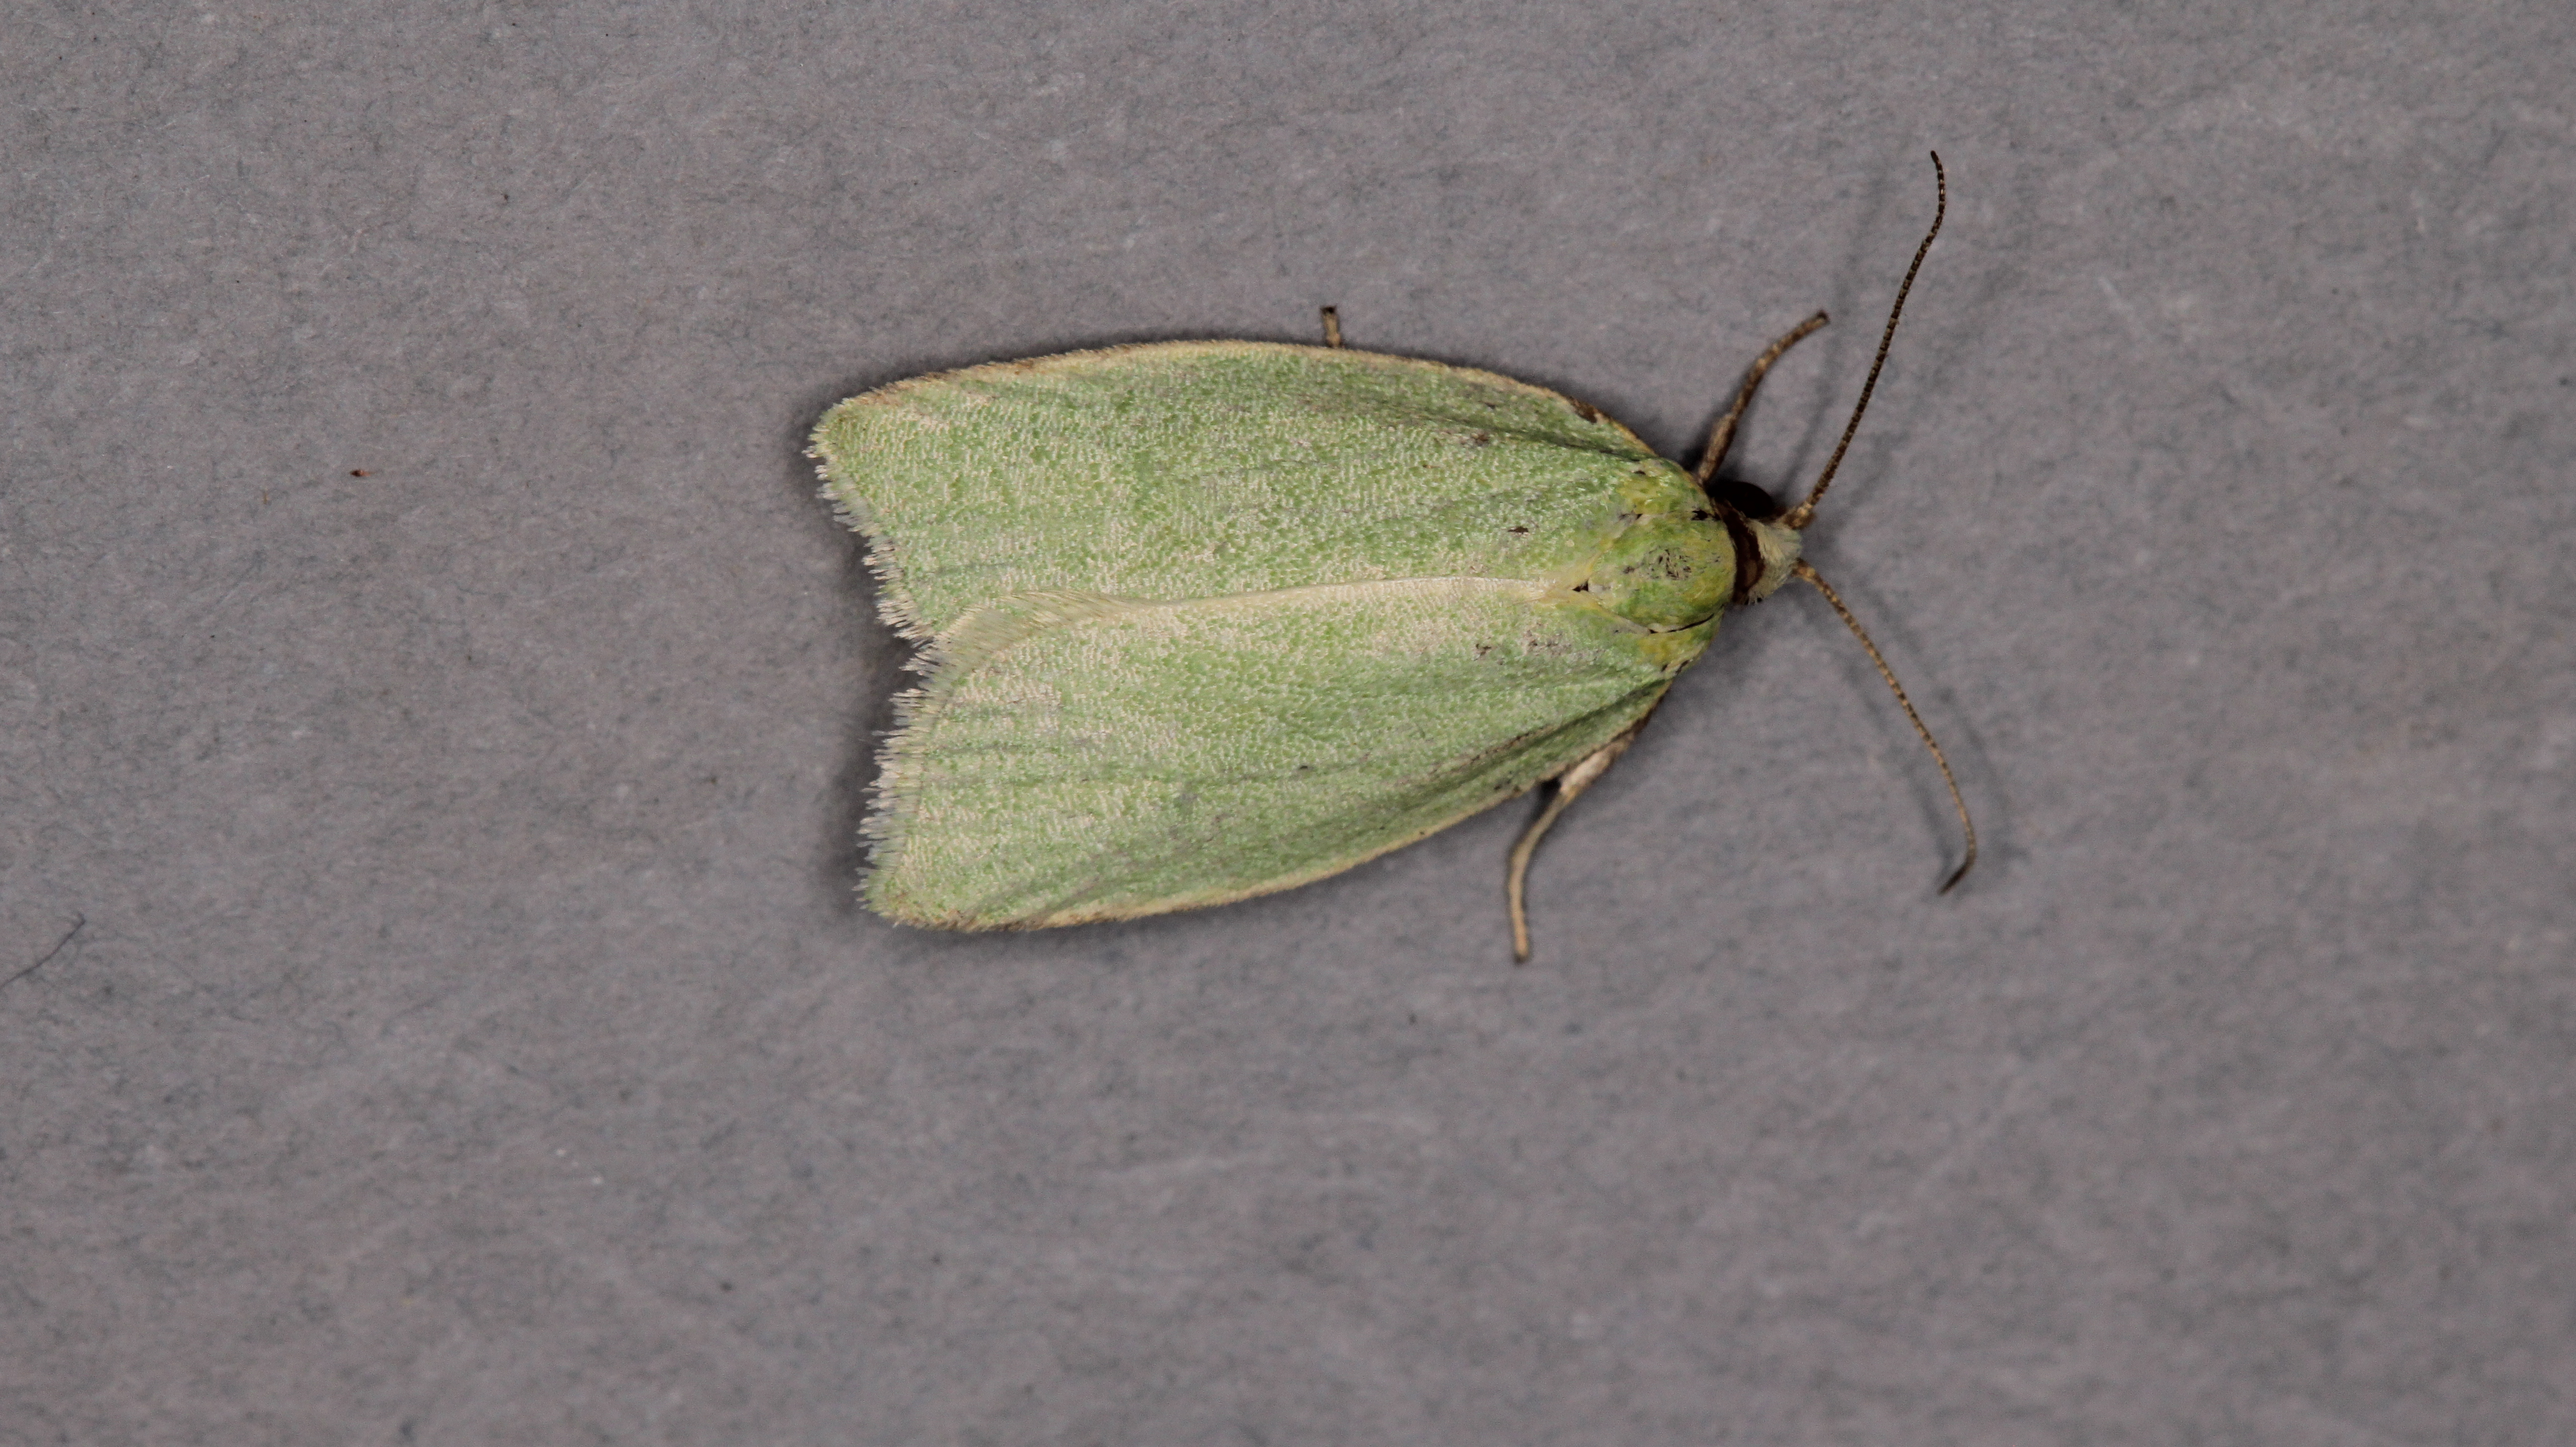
[[1332, 326], [1722, 436], [1568, 784]]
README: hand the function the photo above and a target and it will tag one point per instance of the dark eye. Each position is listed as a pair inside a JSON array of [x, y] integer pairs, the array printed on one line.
[[1744, 497]]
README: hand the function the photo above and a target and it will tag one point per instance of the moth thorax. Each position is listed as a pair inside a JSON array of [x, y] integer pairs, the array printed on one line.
[[1672, 571]]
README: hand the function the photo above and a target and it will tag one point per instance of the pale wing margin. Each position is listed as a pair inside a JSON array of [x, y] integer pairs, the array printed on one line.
[[1193, 469], [1077, 757]]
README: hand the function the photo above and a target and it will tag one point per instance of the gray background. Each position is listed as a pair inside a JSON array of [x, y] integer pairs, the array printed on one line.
[[436, 1012]]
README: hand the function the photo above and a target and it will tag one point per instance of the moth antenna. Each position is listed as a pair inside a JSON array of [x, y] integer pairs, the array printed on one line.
[[1722, 436], [1807, 570], [1332, 326], [1804, 513]]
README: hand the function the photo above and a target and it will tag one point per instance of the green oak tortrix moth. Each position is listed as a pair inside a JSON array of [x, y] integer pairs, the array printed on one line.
[[1204, 620]]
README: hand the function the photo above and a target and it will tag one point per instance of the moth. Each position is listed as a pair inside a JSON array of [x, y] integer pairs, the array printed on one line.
[[1205, 620]]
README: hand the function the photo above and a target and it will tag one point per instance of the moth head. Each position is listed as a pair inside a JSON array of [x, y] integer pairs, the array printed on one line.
[[1766, 547], [1775, 545]]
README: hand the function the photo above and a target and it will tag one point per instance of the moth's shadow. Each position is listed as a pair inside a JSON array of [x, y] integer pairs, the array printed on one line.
[[868, 711], [868, 721]]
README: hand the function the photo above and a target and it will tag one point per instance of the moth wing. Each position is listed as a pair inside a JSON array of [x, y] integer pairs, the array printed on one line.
[[1078, 757], [1198, 469]]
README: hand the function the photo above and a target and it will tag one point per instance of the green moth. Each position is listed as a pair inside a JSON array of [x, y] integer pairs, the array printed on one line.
[[1204, 620]]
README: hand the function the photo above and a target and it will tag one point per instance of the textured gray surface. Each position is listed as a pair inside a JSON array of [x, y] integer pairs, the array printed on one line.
[[447, 1022]]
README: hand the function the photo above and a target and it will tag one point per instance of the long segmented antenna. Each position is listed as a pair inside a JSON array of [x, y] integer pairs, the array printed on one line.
[[1804, 513], [1807, 570]]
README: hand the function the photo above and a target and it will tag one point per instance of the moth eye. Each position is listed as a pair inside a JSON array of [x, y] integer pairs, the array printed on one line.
[[1744, 497]]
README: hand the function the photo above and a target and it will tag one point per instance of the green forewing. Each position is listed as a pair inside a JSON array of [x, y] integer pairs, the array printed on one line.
[[1200, 469], [1209, 619], [1077, 756]]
